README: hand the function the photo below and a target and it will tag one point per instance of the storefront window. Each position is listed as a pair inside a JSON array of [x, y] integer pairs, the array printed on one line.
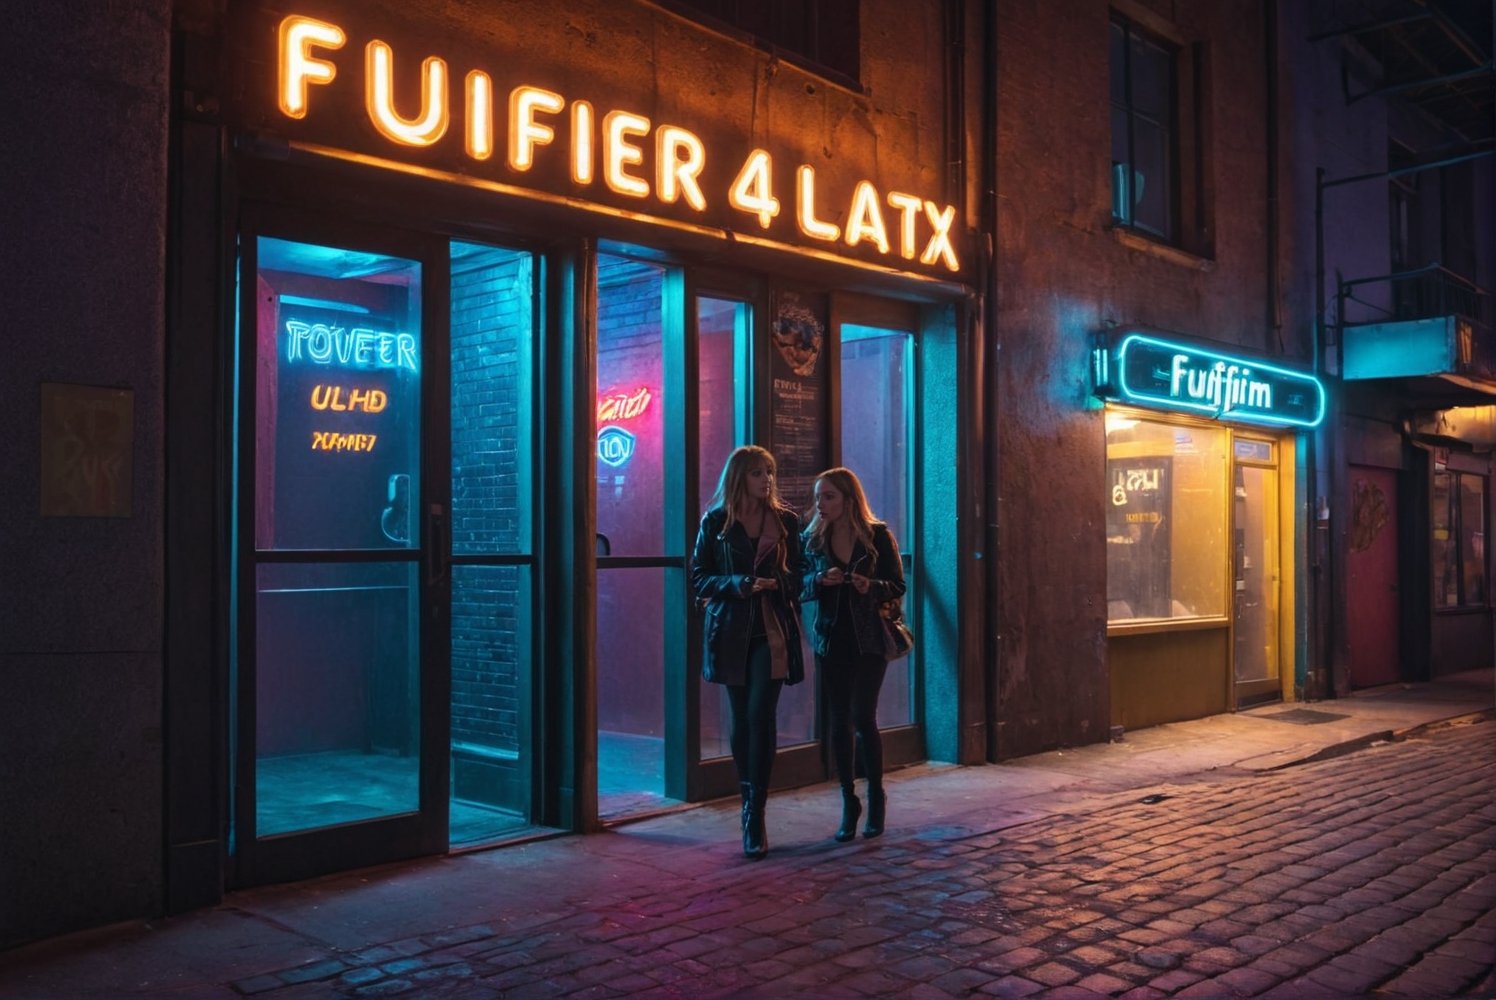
[[337, 459], [1166, 519], [1459, 540]]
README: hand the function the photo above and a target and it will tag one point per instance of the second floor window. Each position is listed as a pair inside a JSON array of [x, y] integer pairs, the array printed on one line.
[[822, 33], [1144, 173]]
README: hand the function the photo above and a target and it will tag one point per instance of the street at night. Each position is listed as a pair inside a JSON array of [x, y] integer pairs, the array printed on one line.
[[1144, 870]]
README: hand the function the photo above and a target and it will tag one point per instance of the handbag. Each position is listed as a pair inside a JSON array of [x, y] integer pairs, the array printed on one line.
[[898, 640]]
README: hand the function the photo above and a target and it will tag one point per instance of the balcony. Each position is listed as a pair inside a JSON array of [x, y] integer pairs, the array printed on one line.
[[1429, 327]]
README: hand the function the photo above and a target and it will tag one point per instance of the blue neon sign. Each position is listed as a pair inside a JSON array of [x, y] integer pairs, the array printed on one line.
[[1154, 372], [615, 446]]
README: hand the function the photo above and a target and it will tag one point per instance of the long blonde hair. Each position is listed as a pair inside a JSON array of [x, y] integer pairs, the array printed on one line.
[[855, 509], [732, 492]]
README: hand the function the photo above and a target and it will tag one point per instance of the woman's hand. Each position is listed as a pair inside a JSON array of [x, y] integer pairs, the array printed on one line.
[[764, 583], [833, 577], [861, 583]]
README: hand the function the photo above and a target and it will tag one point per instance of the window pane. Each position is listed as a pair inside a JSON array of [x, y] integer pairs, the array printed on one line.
[[631, 688], [875, 408], [1118, 63], [722, 332], [337, 704], [1446, 564], [1122, 196], [722, 337], [875, 420], [492, 306], [1473, 538], [1151, 177], [338, 398], [1166, 519], [1152, 83], [630, 407], [491, 658]]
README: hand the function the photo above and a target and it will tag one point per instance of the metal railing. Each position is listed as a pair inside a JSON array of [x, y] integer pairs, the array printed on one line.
[[1423, 293]]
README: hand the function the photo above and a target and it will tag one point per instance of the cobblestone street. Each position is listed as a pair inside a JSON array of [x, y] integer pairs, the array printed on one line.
[[1369, 873], [1373, 873]]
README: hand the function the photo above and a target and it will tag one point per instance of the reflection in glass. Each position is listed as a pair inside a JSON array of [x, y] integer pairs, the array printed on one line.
[[338, 398], [876, 403], [337, 707], [1165, 519]]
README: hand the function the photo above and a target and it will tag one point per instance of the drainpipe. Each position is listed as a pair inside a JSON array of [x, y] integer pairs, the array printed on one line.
[[987, 348]]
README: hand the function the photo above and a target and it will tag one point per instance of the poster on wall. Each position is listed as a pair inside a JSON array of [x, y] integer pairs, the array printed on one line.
[[345, 462], [797, 406]]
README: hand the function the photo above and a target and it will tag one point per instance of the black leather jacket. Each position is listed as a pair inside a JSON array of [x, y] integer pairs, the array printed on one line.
[[885, 570], [722, 578]]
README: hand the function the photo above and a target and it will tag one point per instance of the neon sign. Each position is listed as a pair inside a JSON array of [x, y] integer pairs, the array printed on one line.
[[332, 397], [326, 344], [611, 145], [1156, 372], [615, 446], [623, 405]]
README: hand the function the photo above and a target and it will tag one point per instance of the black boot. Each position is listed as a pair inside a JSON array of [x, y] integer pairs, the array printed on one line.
[[755, 836], [876, 800], [747, 792], [851, 809]]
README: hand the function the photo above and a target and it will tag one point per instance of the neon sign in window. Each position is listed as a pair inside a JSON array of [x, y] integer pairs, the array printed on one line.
[[330, 344]]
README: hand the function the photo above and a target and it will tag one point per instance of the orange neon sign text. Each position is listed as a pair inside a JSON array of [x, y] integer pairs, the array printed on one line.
[[624, 405], [611, 145]]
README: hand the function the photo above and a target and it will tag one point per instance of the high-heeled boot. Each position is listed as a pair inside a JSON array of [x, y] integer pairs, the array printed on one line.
[[747, 793], [755, 834], [851, 809], [876, 801]]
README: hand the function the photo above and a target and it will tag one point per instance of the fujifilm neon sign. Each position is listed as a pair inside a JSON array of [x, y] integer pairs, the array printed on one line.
[[1178, 376], [1222, 387]]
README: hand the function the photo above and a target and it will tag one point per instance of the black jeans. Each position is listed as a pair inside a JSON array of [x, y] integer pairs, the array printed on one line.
[[851, 681], [755, 729]]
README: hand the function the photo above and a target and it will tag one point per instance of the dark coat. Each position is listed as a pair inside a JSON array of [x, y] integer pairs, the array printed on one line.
[[722, 578], [882, 566]]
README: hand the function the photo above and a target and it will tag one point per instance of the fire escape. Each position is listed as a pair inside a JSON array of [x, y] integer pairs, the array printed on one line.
[[1427, 322]]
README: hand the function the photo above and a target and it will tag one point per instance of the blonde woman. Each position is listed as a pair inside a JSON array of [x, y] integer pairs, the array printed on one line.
[[746, 569], [852, 566]]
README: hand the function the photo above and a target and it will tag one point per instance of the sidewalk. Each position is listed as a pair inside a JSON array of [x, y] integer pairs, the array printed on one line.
[[317, 938]]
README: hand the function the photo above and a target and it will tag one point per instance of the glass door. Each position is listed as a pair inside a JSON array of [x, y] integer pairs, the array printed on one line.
[[876, 437], [641, 583], [1256, 573], [491, 547], [339, 596]]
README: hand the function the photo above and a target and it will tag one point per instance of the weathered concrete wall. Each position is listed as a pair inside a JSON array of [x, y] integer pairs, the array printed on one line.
[[1062, 276], [81, 246]]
